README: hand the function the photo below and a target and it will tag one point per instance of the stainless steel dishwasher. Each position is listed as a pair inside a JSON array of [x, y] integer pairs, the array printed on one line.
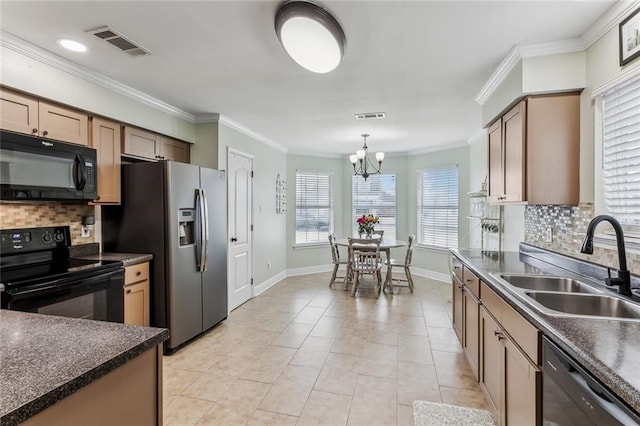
[[572, 396]]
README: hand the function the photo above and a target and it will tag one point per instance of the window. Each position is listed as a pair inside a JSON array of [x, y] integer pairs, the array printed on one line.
[[621, 152], [314, 207], [438, 207], [376, 196]]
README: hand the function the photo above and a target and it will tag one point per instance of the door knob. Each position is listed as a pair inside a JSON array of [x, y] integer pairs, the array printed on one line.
[[234, 239]]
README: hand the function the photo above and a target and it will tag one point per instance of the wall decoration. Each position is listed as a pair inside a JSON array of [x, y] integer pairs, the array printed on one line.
[[281, 195], [629, 38]]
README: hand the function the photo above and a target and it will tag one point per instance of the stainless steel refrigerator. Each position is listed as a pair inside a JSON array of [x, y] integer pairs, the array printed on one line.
[[178, 213]]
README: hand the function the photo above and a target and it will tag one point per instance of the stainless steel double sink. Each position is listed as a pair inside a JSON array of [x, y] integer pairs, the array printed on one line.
[[560, 296]]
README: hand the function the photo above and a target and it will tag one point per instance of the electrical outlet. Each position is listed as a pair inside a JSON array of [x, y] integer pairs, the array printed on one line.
[[548, 235]]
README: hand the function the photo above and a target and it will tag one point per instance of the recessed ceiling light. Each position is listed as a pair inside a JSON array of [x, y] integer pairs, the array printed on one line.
[[74, 46], [310, 35]]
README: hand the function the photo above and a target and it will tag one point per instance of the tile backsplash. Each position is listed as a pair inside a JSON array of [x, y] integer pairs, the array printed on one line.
[[568, 225], [31, 215]]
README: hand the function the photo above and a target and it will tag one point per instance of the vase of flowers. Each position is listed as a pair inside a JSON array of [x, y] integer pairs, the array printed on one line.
[[366, 223]]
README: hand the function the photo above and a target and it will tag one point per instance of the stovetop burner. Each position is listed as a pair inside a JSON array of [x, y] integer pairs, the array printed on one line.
[[34, 255]]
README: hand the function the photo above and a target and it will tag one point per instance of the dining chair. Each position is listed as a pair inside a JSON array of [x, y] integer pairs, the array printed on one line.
[[337, 262], [364, 259], [406, 265]]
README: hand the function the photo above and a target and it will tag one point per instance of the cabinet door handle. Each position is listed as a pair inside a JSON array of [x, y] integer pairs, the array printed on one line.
[[34, 130], [469, 280], [45, 133], [460, 287], [456, 267], [234, 239], [138, 273], [128, 291]]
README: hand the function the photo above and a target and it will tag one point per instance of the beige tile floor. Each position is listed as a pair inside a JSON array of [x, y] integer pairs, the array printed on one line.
[[304, 354]]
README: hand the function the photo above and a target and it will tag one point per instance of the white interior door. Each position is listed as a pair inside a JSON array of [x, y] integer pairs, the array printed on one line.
[[240, 171]]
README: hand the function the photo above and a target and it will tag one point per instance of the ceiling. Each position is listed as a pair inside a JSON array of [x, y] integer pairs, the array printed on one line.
[[421, 62]]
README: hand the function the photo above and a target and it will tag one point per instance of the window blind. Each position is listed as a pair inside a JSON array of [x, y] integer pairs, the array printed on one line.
[[314, 207], [621, 152], [438, 207], [376, 196]]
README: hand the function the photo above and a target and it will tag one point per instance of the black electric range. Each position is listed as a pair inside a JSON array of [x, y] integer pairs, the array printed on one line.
[[37, 275]]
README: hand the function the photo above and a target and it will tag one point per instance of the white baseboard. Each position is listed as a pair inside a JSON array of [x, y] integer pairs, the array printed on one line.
[[266, 285], [309, 270], [437, 276]]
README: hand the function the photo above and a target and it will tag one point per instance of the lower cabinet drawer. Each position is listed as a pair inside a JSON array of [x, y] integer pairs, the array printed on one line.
[[135, 273]]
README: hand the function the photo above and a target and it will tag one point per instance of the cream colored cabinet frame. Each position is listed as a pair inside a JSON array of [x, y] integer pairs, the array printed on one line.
[[175, 150], [534, 151], [29, 115], [136, 294], [105, 138], [140, 143]]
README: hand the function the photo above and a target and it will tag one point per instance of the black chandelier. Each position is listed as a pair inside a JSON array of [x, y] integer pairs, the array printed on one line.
[[362, 165]]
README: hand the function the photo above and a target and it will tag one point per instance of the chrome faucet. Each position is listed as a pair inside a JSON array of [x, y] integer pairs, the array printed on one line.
[[623, 280]]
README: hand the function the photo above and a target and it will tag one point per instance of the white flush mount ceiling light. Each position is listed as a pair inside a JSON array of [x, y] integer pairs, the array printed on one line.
[[362, 164], [72, 45], [310, 35]]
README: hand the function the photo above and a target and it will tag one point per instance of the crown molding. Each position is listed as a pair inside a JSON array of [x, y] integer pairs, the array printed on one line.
[[551, 48], [43, 56], [498, 76], [604, 24], [438, 148], [317, 154], [608, 21], [242, 129], [207, 118]]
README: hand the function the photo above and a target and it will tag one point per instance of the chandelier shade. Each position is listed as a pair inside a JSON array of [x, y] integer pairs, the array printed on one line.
[[362, 164], [310, 35]]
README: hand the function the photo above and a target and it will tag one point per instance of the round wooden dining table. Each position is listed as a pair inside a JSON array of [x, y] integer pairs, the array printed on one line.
[[386, 244]]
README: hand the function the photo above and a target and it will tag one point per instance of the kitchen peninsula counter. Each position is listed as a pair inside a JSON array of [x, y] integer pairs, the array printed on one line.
[[45, 359], [92, 252], [609, 349]]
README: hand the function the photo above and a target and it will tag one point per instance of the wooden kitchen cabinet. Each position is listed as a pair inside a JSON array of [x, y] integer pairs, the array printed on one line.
[[471, 315], [152, 146], [490, 360], [29, 115], [136, 294], [534, 151], [105, 137], [458, 289], [466, 312], [141, 143], [509, 360], [175, 150]]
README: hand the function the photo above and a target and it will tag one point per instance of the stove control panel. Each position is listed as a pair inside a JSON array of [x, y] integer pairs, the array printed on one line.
[[34, 239]]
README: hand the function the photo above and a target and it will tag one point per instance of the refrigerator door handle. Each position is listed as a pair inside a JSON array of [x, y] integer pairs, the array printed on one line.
[[205, 223], [200, 231]]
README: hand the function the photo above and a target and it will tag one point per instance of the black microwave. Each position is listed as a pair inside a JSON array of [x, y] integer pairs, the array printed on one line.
[[33, 168]]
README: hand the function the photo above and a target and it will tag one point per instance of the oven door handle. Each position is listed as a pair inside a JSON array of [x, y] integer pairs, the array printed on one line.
[[61, 285]]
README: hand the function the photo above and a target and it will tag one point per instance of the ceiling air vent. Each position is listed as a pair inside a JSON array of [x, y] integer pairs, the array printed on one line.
[[370, 116], [123, 43]]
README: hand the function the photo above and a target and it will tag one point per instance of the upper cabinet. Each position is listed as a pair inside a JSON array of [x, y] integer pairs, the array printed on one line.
[[25, 114], [105, 138], [534, 151], [152, 146]]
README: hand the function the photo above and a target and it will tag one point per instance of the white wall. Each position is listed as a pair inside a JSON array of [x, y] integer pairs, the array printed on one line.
[[27, 74], [269, 241]]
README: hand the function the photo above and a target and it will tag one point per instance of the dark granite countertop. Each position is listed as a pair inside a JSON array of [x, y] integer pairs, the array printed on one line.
[[609, 349], [44, 358], [127, 259]]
